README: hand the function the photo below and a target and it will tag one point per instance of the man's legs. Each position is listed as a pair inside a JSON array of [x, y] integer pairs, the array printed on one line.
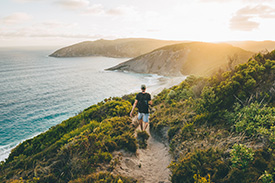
[[146, 120], [140, 116], [146, 124], [141, 124], [143, 117]]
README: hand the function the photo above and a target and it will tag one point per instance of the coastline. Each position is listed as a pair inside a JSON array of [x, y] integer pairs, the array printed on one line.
[[155, 83]]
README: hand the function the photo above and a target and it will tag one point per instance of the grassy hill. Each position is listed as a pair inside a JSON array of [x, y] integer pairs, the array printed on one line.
[[186, 58], [220, 129], [126, 48]]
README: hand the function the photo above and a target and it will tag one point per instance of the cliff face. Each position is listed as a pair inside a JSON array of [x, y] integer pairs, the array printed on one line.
[[126, 48], [185, 58], [161, 61]]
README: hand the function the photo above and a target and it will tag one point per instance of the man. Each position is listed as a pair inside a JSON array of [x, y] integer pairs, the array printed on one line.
[[142, 102]]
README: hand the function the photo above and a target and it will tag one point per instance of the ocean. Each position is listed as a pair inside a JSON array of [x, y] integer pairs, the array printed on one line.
[[38, 91]]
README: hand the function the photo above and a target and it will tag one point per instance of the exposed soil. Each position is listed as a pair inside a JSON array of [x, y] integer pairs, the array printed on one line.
[[148, 165]]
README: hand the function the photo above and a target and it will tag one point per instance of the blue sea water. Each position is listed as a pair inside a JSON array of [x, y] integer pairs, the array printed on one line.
[[38, 91]]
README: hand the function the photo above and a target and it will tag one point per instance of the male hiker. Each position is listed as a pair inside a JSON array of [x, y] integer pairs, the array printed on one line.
[[142, 102]]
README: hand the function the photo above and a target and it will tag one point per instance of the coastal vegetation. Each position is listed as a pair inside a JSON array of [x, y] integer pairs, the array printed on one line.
[[220, 129], [77, 148]]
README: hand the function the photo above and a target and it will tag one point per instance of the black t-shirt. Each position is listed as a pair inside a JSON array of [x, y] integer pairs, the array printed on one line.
[[143, 99]]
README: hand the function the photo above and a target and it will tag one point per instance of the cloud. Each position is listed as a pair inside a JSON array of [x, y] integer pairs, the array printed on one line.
[[153, 30], [123, 10], [243, 23], [15, 18], [94, 9], [246, 1], [257, 1], [73, 4], [261, 11], [124, 13], [24, 33], [49, 25], [49, 29], [244, 19], [99, 9], [25, 1], [216, 1]]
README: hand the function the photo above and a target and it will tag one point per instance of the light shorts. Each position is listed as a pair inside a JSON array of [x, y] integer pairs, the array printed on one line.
[[144, 117]]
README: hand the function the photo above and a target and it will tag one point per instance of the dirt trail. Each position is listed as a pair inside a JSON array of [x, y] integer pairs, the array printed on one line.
[[148, 165]]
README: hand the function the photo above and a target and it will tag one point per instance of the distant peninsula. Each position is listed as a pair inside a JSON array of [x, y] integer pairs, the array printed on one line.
[[119, 48], [197, 58], [169, 58]]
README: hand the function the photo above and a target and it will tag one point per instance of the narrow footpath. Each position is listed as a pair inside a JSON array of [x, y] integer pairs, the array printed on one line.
[[149, 165]]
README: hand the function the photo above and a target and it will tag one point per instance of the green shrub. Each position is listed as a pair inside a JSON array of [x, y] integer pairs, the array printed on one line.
[[241, 156], [110, 108], [271, 134], [142, 137], [266, 178], [199, 179], [254, 118], [103, 177], [127, 141], [187, 131], [202, 162], [172, 131], [111, 145], [130, 97]]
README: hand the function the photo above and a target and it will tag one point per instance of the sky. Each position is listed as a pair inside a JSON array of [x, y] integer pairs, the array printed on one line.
[[65, 22]]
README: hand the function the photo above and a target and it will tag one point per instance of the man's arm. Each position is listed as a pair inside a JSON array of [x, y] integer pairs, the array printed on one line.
[[150, 100], [134, 106]]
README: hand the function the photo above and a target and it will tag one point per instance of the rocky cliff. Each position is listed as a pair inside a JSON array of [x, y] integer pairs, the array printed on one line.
[[186, 58], [126, 48]]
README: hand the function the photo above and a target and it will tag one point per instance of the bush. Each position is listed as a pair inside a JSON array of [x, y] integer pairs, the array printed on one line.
[[202, 162], [266, 178], [199, 179], [127, 141], [187, 131], [172, 131], [253, 119], [103, 177], [142, 137], [241, 156]]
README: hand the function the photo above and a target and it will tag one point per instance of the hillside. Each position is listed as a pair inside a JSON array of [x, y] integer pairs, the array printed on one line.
[[219, 129], [126, 48], [186, 58], [254, 46]]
